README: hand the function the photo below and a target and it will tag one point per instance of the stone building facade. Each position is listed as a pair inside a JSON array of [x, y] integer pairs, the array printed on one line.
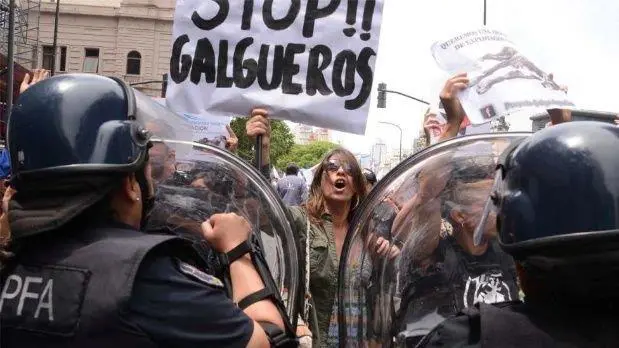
[[130, 39]]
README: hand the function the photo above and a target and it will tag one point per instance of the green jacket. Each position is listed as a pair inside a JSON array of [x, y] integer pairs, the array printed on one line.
[[323, 268]]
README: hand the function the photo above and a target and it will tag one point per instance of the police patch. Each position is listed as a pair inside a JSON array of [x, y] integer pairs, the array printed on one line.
[[46, 299], [195, 273]]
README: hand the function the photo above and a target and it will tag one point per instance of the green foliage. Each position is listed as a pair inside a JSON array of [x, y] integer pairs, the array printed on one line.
[[306, 156], [282, 139]]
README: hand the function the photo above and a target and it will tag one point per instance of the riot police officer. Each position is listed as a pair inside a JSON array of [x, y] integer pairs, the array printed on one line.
[[81, 272], [557, 195]]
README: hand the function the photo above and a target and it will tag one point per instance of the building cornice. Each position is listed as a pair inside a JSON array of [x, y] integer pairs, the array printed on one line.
[[140, 12]]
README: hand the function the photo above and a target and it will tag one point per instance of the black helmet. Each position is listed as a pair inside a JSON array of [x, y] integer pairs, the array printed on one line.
[[560, 191], [70, 137], [76, 124]]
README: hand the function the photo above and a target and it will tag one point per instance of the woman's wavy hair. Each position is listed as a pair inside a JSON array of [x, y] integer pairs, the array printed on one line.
[[315, 205]]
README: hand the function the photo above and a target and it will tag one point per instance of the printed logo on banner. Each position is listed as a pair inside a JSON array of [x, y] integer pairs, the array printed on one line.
[[488, 112], [284, 56]]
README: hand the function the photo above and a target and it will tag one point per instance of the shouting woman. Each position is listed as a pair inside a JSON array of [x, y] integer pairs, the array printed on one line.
[[337, 188]]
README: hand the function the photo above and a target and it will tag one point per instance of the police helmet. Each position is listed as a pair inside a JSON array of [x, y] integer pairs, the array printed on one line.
[[71, 138], [76, 123], [560, 191]]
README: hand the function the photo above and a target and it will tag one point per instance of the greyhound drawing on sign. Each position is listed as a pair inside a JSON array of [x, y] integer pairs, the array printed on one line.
[[521, 68]]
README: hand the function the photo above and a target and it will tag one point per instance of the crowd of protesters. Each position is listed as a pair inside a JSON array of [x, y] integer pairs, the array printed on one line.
[[321, 212]]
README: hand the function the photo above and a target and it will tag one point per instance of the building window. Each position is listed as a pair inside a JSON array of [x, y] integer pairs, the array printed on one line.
[[63, 59], [91, 60], [48, 57], [134, 61]]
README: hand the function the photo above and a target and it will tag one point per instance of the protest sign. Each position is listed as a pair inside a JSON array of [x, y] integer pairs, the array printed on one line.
[[502, 80], [310, 62], [204, 129], [478, 129]]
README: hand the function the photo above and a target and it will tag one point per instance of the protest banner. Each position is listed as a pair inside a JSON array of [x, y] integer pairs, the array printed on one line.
[[204, 129], [310, 62], [502, 80]]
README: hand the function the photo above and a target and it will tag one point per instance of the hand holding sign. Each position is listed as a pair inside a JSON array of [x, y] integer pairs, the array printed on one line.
[[259, 125], [453, 109]]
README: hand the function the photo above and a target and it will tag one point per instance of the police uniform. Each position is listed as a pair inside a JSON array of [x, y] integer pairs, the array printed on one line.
[[81, 280], [557, 216], [516, 324], [114, 286]]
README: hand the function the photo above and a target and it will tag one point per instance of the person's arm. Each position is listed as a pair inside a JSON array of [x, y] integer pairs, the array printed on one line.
[[422, 213], [225, 232], [298, 222], [422, 218], [176, 305]]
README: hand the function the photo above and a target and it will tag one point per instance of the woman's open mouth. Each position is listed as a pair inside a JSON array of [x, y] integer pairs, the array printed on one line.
[[340, 184]]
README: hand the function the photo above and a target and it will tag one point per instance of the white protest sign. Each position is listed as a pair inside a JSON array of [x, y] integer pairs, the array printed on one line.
[[478, 129], [502, 80], [204, 129], [310, 62]]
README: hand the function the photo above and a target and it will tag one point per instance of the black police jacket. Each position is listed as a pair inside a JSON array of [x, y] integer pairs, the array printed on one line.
[[70, 291], [516, 324]]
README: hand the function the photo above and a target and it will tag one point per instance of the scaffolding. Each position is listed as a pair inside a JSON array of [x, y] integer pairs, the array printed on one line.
[[25, 51], [27, 17]]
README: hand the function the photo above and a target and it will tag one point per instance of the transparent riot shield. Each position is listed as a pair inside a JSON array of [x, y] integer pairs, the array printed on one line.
[[427, 209], [194, 181]]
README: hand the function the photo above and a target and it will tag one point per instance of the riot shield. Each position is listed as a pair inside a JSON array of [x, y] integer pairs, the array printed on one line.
[[428, 209], [194, 181]]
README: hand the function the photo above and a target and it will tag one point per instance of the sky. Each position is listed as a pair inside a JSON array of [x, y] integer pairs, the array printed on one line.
[[577, 40]]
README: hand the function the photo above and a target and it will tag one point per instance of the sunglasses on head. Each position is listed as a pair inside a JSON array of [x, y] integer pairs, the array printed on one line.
[[334, 166]]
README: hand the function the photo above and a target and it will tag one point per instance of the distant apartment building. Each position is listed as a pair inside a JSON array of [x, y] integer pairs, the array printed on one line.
[[305, 134], [129, 39]]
